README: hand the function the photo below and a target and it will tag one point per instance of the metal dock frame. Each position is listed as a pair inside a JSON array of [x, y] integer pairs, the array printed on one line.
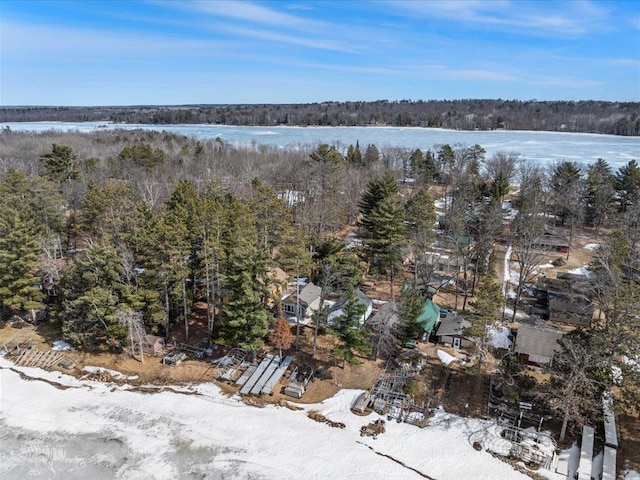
[[266, 375], [277, 375], [256, 375]]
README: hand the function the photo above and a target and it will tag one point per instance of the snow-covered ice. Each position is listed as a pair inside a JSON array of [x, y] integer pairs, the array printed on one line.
[[98, 431]]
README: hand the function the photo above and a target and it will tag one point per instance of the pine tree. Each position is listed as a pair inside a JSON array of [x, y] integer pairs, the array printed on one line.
[[60, 164], [244, 280], [352, 338], [245, 320], [354, 155], [600, 187], [410, 307], [628, 184], [383, 223], [273, 221], [91, 293], [420, 217], [615, 288], [487, 309], [371, 155], [19, 248]]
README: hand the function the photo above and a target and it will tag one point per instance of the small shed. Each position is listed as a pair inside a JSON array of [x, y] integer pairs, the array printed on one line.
[[152, 344], [451, 332], [538, 342]]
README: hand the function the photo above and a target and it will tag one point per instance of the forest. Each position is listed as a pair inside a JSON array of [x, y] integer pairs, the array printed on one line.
[[616, 118], [107, 231]]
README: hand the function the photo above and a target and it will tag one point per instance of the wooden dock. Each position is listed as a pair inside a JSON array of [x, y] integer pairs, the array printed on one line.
[[39, 358]]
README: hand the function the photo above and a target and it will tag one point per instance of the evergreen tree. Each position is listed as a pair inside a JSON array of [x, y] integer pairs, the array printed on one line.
[[60, 164], [327, 155], [337, 270], [91, 293], [354, 155], [19, 248], [565, 188], [245, 320], [499, 187], [615, 288], [273, 221], [371, 155], [353, 339], [410, 307], [36, 198], [416, 161], [487, 309], [600, 187], [384, 229], [420, 217], [628, 184], [244, 280]]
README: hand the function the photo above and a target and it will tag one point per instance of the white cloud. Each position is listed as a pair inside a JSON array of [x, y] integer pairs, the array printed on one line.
[[248, 12], [19, 39], [322, 44], [571, 18]]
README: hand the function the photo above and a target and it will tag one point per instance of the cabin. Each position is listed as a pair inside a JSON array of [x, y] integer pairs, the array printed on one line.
[[337, 309], [444, 263], [385, 320], [537, 342], [570, 308], [451, 332], [300, 306], [564, 299], [553, 240]]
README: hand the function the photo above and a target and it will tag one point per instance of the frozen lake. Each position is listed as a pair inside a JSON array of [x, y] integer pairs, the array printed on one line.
[[544, 147]]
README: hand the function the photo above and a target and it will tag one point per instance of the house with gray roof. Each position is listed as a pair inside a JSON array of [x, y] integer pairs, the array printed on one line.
[[303, 304], [337, 309], [451, 332], [538, 342]]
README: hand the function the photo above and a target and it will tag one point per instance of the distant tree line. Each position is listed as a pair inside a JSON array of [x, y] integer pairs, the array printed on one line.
[[616, 118]]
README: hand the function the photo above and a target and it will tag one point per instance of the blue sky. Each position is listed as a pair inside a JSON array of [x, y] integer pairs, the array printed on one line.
[[180, 52]]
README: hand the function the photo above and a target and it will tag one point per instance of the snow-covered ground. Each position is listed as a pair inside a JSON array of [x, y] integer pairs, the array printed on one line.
[[581, 271], [101, 431], [498, 336], [631, 475]]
